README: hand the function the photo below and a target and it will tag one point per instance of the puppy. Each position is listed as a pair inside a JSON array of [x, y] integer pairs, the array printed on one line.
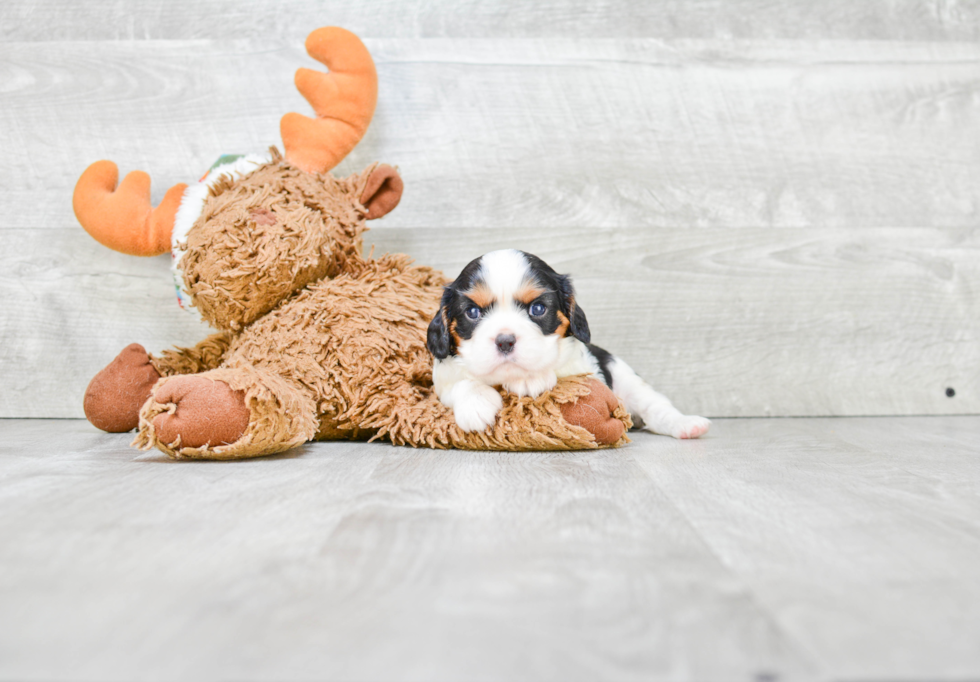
[[510, 320]]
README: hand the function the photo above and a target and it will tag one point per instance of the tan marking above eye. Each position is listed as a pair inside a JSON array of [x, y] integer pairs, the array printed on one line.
[[481, 295], [528, 293]]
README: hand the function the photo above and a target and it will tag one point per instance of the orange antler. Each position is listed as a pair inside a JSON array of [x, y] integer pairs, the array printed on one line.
[[343, 100], [122, 218]]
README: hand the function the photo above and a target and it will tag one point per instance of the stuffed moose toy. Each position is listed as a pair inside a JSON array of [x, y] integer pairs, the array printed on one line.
[[315, 340]]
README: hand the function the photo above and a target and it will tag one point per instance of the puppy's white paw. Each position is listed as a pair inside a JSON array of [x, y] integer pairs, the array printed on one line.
[[533, 385], [690, 427], [477, 409]]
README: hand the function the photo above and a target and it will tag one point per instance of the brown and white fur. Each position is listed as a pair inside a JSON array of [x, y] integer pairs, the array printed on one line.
[[510, 320]]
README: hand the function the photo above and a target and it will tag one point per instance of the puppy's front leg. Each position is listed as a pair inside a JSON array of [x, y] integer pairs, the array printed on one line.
[[475, 405], [533, 385]]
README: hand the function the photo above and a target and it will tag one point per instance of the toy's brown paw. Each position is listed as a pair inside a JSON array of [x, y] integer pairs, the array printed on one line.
[[114, 396], [593, 412], [207, 412]]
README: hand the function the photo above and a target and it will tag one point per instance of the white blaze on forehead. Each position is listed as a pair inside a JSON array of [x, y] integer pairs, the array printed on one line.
[[504, 272]]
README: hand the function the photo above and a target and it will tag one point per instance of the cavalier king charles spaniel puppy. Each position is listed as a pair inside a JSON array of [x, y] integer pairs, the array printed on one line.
[[510, 320]]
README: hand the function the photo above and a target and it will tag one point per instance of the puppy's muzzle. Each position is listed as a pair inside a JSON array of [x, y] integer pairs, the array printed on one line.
[[505, 343]]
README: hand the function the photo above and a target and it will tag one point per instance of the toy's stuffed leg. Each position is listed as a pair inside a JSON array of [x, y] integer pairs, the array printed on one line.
[[114, 396], [226, 413], [580, 413], [599, 412]]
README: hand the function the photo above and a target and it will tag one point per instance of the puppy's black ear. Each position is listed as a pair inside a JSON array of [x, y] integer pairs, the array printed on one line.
[[438, 340], [578, 326]]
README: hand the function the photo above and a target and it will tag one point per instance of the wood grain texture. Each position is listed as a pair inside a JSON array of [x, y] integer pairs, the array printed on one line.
[[70, 306], [552, 133], [933, 20], [771, 549], [858, 535], [756, 322], [725, 322], [770, 208]]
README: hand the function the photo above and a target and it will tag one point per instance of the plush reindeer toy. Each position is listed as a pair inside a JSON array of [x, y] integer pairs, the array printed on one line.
[[315, 341]]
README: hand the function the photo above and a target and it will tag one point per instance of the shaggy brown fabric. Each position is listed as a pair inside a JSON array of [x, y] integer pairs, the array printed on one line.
[[114, 396], [325, 343], [350, 340], [237, 268], [279, 418], [206, 355], [523, 423]]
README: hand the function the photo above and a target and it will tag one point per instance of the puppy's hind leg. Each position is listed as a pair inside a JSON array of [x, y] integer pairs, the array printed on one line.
[[657, 412]]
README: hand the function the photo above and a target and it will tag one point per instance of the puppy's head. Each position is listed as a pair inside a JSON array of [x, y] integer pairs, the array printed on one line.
[[505, 316]]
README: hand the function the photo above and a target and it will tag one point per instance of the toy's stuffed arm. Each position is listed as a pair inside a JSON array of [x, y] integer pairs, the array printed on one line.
[[206, 355]]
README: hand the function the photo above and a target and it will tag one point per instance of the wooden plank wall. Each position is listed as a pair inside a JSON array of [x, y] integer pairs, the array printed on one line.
[[769, 208]]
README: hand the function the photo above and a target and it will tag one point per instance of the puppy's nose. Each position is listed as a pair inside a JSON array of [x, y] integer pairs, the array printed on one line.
[[505, 343]]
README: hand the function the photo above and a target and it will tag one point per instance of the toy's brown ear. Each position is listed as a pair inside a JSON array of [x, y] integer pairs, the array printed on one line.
[[382, 192]]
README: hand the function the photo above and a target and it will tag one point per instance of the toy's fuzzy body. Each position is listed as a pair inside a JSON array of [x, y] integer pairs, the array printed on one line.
[[316, 340]]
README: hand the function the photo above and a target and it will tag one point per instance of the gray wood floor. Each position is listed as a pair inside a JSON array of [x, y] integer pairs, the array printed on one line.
[[772, 549]]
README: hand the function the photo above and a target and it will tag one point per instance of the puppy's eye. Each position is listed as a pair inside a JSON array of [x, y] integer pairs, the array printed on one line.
[[473, 312], [538, 309]]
